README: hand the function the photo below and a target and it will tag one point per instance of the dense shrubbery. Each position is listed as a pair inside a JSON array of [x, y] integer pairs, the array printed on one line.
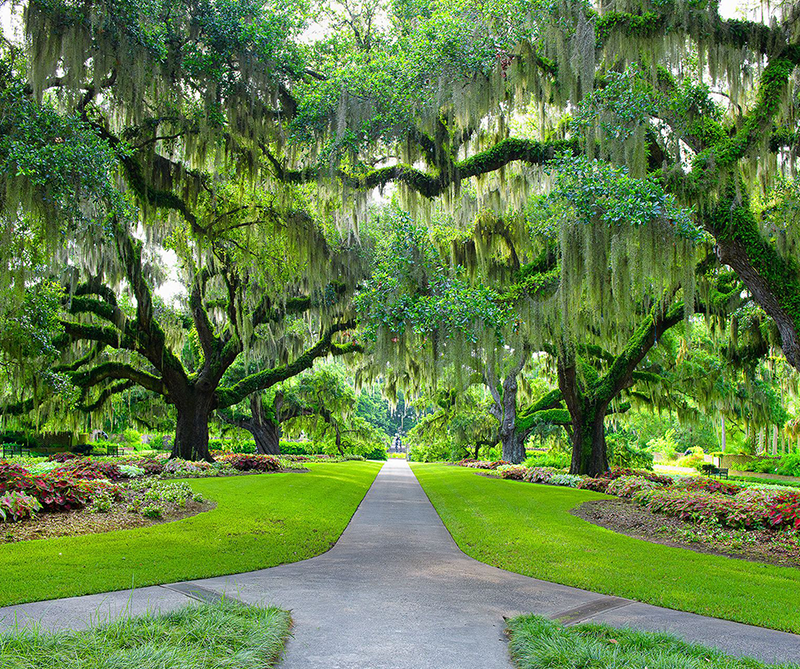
[[618, 472], [18, 505], [624, 451], [598, 484], [539, 474], [705, 484], [245, 463], [627, 486], [550, 459], [781, 510], [514, 472]]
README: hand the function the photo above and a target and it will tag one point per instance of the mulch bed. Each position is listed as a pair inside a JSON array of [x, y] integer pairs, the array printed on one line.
[[627, 517], [83, 521]]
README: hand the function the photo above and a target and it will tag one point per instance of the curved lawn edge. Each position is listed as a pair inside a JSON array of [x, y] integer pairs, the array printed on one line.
[[527, 529], [260, 521]]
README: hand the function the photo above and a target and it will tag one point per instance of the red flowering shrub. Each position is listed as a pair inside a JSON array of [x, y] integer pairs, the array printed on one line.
[[618, 472], [700, 506], [598, 485], [513, 472], [464, 462], [539, 474], [63, 457], [17, 505], [7, 471], [784, 510], [246, 462], [627, 486], [90, 469], [55, 491], [705, 484]]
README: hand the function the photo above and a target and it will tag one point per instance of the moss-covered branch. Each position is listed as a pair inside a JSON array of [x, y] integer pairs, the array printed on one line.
[[432, 184], [267, 378]]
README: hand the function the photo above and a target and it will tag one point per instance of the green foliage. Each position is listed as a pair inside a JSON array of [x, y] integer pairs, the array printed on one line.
[[789, 465], [537, 641], [551, 459], [624, 450], [203, 636]]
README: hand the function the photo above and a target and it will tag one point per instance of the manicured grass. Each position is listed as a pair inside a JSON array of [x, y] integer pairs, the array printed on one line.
[[260, 521], [527, 528], [208, 636], [537, 643]]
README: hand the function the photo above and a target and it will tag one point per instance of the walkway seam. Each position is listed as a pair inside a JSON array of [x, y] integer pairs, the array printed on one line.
[[590, 610], [198, 592]]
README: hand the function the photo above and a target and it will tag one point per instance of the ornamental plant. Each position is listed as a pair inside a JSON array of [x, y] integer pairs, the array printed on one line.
[[86, 468], [245, 462], [513, 472], [62, 457], [627, 486], [705, 507], [707, 484], [539, 475], [569, 480], [17, 505], [619, 472], [598, 485], [784, 511]]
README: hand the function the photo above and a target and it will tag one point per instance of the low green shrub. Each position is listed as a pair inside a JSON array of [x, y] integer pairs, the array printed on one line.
[[789, 465], [554, 459], [569, 480], [225, 634], [623, 451], [537, 642]]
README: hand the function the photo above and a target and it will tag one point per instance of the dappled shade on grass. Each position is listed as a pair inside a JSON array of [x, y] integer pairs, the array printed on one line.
[[205, 636], [527, 528], [260, 521], [537, 643]]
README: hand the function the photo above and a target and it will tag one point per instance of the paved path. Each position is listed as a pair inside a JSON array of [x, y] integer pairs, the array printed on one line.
[[397, 593]]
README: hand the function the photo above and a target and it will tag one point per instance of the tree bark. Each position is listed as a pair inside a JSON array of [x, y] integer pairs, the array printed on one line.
[[589, 452], [191, 432], [513, 447], [267, 435]]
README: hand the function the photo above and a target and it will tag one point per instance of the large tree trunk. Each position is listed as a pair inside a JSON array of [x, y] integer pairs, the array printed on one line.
[[267, 436], [513, 448], [589, 453], [191, 432]]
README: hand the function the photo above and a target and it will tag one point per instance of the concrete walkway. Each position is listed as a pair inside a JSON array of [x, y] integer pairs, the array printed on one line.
[[397, 593]]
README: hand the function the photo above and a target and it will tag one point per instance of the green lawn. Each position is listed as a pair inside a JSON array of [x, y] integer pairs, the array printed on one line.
[[260, 521], [528, 529], [207, 636]]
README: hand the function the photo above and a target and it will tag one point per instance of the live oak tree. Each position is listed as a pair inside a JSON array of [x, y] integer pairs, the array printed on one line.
[[316, 395], [132, 115], [453, 96]]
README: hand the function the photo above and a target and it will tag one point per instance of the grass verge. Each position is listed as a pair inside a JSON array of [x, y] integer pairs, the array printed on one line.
[[260, 521], [537, 643], [207, 636], [527, 528]]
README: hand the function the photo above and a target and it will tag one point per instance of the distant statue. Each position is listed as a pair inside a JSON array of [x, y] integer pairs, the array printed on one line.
[[397, 444]]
